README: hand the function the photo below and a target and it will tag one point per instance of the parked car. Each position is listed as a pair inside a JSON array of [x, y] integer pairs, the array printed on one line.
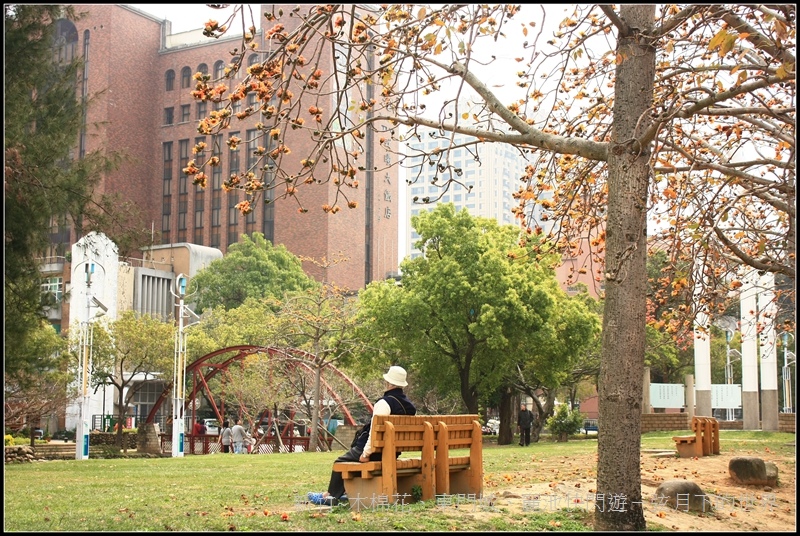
[[38, 433], [492, 427], [212, 426]]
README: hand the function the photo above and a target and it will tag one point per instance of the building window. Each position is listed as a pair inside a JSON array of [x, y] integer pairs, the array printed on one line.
[[202, 68], [183, 207], [198, 215], [52, 290], [169, 115], [233, 212], [167, 157], [233, 157], [170, 79], [219, 70], [186, 78], [202, 110], [186, 110], [216, 206], [252, 146], [233, 237], [183, 148]]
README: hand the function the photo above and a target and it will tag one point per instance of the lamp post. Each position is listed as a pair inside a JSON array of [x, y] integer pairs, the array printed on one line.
[[179, 368], [82, 432], [788, 361], [729, 371], [178, 372]]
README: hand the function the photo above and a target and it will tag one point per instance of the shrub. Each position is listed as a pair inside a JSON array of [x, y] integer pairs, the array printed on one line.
[[565, 422], [9, 440]]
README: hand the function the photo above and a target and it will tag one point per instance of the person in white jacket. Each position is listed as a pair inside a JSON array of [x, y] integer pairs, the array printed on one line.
[[239, 436]]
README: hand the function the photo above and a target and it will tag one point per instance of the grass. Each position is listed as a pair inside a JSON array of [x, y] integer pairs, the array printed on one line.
[[261, 493]]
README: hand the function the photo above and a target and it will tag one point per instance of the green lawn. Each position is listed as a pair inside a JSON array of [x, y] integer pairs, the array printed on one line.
[[261, 492]]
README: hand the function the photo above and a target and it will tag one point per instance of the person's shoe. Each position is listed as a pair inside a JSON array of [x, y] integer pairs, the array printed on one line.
[[316, 498]]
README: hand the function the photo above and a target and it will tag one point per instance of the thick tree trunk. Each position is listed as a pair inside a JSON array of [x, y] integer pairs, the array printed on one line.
[[507, 425], [622, 366]]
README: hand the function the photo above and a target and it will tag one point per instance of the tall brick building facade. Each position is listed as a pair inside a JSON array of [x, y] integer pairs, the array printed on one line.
[[142, 76]]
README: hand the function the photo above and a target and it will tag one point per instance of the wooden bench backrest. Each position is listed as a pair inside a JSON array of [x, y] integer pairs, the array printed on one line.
[[409, 432], [707, 431]]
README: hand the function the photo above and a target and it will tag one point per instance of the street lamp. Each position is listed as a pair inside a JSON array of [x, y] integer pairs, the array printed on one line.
[[87, 338], [729, 325], [788, 361], [179, 369]]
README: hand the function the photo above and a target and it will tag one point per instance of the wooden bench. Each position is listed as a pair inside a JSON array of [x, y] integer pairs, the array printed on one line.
[[704, 442], [457, 475], [436, 471], [393, 478]]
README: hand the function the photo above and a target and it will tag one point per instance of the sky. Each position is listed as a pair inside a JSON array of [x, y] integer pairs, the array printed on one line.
[[186, 17]]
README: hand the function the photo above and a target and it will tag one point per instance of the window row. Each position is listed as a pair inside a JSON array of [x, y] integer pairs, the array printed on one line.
[[219, 72]]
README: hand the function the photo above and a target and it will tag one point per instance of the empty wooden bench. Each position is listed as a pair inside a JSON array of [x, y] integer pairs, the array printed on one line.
[[392, 479], [458, 474], [704, 442]]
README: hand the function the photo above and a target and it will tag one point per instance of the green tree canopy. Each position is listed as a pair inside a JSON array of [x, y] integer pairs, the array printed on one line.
[[127, 350], [468, 309], [253, 267]]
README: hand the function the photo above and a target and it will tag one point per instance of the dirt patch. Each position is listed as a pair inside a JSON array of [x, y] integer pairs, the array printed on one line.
[[737, 507]]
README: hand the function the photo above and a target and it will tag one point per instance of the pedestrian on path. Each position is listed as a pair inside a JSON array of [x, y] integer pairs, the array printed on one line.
[[524, 421]]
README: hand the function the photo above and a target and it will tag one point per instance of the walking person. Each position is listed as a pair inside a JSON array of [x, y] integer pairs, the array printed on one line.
[[226, 438], [239, 435], [524, 421], [393, 402]]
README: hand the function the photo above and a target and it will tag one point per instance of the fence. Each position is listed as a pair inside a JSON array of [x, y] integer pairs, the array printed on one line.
[[209, 444]]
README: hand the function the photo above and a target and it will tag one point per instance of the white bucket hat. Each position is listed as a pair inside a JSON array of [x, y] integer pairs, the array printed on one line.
[[396, 376]]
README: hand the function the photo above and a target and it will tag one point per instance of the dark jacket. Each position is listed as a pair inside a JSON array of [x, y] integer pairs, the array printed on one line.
[[399, 404], [525, 419]]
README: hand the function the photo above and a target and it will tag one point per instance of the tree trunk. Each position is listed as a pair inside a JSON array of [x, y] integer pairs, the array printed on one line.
[[622, 365], [505, 435], [314, 432], [542, 413]]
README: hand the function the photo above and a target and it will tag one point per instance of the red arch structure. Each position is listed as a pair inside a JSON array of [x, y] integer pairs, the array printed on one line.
[[207, 367]]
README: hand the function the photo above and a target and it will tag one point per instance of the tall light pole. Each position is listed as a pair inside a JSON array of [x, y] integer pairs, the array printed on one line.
[[179, 368], [178, 372], [729, 324], [788, 361], [82, 432]]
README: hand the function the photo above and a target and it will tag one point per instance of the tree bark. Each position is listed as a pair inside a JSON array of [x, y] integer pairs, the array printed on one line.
[[622, 366], [505, 435]]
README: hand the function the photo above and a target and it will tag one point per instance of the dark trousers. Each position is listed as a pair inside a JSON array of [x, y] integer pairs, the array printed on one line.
[[524, 436], [336, 485]]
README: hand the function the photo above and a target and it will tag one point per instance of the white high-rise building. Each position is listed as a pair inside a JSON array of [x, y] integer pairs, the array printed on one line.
[[493, 177]]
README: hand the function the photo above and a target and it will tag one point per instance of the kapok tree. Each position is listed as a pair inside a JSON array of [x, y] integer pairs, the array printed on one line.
[[683, 116]]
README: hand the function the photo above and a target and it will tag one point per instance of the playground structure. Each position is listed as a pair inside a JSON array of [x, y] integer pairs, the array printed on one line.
[[280, 433]]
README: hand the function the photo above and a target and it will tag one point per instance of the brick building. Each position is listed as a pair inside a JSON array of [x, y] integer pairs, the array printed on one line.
[[142, 75]]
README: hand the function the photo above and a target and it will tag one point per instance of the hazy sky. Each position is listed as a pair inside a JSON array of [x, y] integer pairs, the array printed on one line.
[[186, 17]]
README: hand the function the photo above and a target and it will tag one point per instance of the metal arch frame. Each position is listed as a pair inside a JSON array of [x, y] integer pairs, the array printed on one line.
[[302, 358]]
